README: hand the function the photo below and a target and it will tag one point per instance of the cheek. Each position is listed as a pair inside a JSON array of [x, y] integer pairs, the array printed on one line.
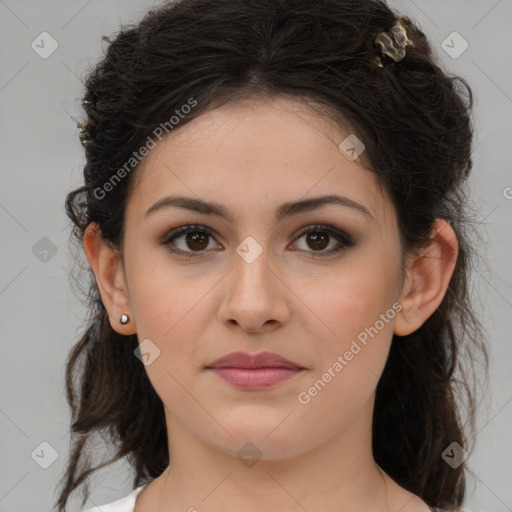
[[174, 322], [172, 315], [353, 300], [348, 363], [161, 293], [167, 307], [357, 314]]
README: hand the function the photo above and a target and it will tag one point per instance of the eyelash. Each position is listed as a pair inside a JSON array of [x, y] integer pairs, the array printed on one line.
[[341, 237]]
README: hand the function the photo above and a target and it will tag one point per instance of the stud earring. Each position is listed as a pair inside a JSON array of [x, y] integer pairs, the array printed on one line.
[[125, 319]]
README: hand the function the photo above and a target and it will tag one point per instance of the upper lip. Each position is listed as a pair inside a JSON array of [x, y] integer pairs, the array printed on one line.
[[246, 360]]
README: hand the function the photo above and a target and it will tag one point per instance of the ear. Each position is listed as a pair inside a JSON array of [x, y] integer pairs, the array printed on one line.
[[107, 267], [427, 278]]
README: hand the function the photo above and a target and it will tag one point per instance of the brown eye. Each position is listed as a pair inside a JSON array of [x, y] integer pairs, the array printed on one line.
[[195, 240], [318, 238]]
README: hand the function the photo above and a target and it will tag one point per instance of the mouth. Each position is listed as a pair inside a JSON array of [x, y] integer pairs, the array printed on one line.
[[259, 371]]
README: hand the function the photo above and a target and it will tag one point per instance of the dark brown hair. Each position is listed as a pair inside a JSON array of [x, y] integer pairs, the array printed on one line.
[[415, 121]]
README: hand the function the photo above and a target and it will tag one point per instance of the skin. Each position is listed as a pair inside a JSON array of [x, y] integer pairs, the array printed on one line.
[[251, 157]]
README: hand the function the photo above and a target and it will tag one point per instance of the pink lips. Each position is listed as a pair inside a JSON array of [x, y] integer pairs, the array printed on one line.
[[257, 371]]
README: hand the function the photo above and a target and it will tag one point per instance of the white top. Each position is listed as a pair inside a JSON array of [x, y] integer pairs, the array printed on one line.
[[127, 504]]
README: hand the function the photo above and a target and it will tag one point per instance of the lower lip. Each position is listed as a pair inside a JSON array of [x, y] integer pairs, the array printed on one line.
[[257, 378]]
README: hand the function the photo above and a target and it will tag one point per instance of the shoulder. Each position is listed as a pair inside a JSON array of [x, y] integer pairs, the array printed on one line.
[[415, 504], [418, 505], [125, 504], [405, 501], [458, 510]]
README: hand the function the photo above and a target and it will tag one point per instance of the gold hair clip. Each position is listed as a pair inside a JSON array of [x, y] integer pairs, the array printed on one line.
[[393, 43], [84, 140]]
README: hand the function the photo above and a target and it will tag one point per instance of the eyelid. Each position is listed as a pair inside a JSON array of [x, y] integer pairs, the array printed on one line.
[[336, 232]]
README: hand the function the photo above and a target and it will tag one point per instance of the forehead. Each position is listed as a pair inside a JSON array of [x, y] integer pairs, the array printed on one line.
[[252, 157]]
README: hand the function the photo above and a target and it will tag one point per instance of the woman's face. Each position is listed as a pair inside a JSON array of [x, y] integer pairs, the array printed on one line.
[[258, 282]]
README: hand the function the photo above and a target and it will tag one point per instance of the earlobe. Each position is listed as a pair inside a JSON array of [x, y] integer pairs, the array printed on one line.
[[427, 278], [107, 267]]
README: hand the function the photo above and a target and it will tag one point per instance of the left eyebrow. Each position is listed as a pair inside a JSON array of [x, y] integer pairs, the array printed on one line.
[[284, 210]]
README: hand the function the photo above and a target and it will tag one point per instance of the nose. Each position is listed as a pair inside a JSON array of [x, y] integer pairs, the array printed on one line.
[[254, 297]]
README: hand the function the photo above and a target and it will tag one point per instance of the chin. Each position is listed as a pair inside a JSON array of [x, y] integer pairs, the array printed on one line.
[[259, 435], [250, 449]]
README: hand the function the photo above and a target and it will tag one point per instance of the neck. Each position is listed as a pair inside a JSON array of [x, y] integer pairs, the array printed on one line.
[[340, 474]]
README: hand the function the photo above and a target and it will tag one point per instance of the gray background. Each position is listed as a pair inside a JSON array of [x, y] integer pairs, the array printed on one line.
[[42, 161]]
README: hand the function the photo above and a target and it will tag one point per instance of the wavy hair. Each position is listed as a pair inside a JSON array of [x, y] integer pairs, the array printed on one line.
[[415, 120]]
